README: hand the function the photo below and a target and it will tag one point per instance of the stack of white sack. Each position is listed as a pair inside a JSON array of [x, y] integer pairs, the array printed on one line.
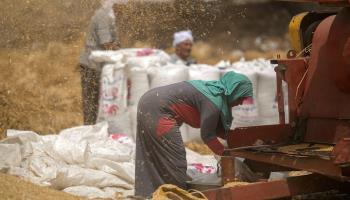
[[150, 68], [83, 161]]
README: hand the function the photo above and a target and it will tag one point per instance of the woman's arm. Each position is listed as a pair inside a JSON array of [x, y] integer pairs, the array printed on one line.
[[210, 119]]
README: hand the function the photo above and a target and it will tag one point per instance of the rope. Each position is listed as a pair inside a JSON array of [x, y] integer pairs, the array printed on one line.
[[305, 50], [172, 192]]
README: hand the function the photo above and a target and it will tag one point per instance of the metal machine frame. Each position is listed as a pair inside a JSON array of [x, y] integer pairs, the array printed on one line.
[[319, 113]]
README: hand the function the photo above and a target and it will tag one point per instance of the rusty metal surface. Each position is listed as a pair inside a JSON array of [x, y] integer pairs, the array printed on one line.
[[227, 164], [280, 97], [293, 74], [275, 189], [307, 163], [328, 131], [322, 98], [319, 96], [270, 134], [339, 50], [341, 152]]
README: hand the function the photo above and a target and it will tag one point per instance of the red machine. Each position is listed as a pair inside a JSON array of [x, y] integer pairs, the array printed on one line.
[[319, 116]]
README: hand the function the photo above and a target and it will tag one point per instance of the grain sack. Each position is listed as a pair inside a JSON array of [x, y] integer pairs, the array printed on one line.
[[203, 72], [111, 150], [124, 170], [194, 134], [120, 124], [286, 106], [133, 117], [113, 99], [166, 75], [10, 155], [74, 176], [71, 152], [106, 56], [246, 114], [267, 102], [113, 94], [184, 133], [139, 84]]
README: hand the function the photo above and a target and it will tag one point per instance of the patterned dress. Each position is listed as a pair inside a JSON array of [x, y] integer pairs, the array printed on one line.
[[160, 151]]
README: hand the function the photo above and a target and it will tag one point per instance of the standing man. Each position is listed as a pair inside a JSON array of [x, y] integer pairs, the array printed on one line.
[[183, 42], [101, 35]]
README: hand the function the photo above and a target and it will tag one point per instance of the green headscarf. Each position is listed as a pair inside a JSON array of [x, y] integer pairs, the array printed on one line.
[[223, 92]]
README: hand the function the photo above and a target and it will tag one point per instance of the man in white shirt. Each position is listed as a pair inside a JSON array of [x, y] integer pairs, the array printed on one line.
[[183, 42]]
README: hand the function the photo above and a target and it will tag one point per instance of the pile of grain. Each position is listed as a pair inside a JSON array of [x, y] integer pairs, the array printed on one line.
[[235, 184], [199, 148], [16, 189], [40, 90]]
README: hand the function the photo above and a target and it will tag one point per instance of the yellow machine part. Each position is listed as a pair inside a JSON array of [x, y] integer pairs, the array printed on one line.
[[295, 32]]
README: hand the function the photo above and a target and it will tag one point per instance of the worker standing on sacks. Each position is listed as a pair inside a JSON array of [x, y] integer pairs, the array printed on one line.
[[160, 151], [183, 42], [101, 35]]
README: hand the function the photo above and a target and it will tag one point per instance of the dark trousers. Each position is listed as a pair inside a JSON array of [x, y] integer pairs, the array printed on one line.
[[90, 83]]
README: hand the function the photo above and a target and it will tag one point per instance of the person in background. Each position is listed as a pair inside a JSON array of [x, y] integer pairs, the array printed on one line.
[[160, 151], [183, 42], [101, 35]]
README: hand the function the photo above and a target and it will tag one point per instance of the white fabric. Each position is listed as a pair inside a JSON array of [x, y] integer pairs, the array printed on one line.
[[74, 176], [10, 155], [166, 75], [182, 36], [203, 72], [139, 84], [79, 156], [133, 116]]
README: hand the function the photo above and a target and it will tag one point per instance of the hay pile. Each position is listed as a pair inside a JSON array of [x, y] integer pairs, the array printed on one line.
[[40, 90], [16, 189]]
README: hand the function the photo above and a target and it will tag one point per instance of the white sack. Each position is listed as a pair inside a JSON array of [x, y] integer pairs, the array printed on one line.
[[43, 167], [133, 117], [10, 155], [124, 170], [90, 133], [184, 132], [203, 72], [147, 61], [246, 114], [75, 176], [71, 152], [113, 93], [120, 124], [167, 75], [22, 138], [106, 56], [268, 109], [27, 175], [139, 84], [193, 157], [194, 134], [111, 150]]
